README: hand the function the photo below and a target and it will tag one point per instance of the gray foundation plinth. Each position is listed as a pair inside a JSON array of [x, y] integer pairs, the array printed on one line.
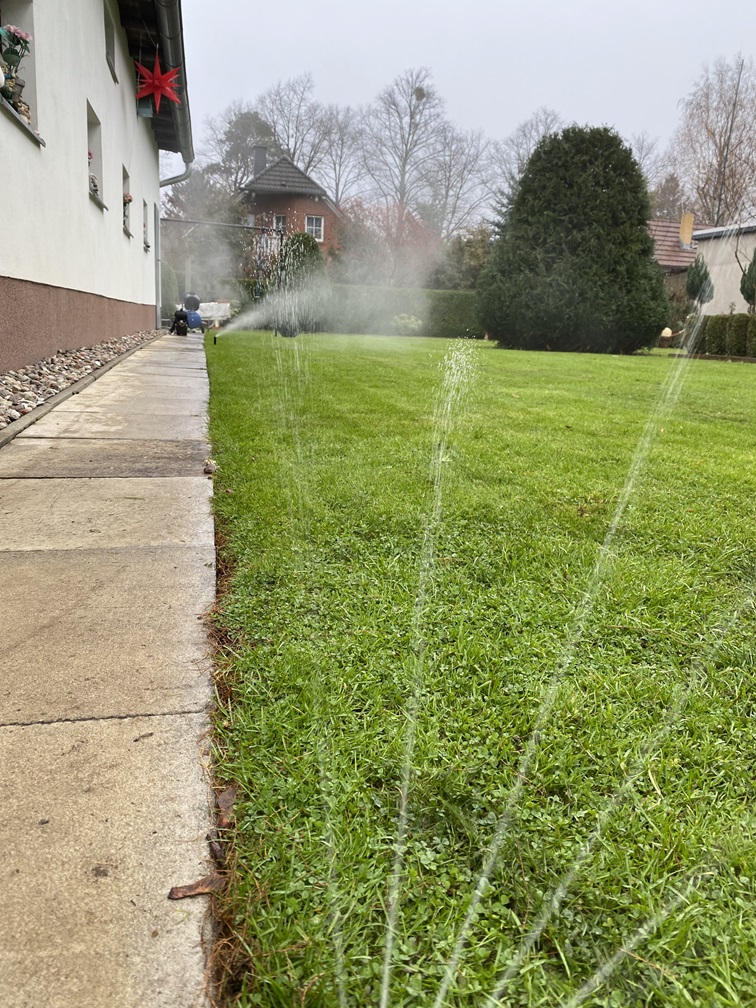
[[100, 819]]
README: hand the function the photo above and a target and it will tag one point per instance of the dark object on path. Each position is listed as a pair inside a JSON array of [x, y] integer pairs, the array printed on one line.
[[209, 884], [180, 324], [194, 320]]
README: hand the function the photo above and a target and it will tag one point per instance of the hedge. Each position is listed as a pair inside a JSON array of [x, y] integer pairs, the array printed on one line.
[[751, 336], [729, 336], [716, 335], [735, 344]]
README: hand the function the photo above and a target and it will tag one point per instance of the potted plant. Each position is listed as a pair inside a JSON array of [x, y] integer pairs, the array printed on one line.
[[14, 45]]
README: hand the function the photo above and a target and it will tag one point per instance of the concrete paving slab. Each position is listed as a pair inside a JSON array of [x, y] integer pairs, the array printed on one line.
[[153, 401], [100, 819], [46, 458], [61, 514], [108, 424], [79, 652], [174, 369]]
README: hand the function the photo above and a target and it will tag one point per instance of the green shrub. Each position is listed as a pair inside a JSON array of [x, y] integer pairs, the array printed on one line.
[[573, 268], [751, 336], [406, 325], [716, 335], [736, 335]]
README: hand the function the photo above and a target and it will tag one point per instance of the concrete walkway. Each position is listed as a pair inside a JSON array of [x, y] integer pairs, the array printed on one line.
[[106, 545]]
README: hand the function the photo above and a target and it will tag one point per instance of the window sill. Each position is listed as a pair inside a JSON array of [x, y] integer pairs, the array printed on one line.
[[111, 67], [147, 247], [97, 200], [127, 232], [12, 114]]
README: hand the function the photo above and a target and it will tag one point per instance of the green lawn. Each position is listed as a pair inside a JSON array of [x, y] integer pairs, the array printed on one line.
[[487, 629]]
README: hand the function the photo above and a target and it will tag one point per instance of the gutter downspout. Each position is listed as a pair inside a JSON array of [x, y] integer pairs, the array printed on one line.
[[178, 178]]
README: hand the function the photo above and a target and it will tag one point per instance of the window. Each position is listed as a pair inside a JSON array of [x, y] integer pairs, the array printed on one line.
[[127, 201], [110, 41], [19, 91], [280, 223], [314, 227], [94, 157]]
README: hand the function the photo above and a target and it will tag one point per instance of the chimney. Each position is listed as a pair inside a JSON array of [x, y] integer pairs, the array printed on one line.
[[686, 230], [260, 160]]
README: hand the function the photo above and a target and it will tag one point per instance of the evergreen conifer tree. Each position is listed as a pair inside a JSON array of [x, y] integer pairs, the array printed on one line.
[[698, 285], [573, 268], [748, 285]]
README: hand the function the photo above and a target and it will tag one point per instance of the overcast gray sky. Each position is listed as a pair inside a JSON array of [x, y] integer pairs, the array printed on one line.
[[619, 64]]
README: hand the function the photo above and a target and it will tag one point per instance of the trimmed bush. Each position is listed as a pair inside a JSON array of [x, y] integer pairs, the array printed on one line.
[[751, 336], [716, 335], [573, 268], [735, 343]]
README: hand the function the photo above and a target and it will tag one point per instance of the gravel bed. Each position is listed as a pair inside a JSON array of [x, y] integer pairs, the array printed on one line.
[[25, 389]]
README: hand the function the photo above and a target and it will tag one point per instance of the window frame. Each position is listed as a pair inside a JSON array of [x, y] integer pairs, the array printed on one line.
[[21, 13], [110, 39], [311, 228]]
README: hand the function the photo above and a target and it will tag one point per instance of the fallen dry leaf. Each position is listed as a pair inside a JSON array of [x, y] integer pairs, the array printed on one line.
[[209, 884], [226, 801]]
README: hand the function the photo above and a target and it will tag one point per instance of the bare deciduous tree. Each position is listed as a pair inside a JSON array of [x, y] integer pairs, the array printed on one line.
[[399, 141], [457, 181], [297, 122], [340, 169], [511, 155], [715, 144], [231, 137], [653, 162]]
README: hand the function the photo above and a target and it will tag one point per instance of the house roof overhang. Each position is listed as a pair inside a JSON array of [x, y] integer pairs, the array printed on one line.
[[156, 26], [724, 232]]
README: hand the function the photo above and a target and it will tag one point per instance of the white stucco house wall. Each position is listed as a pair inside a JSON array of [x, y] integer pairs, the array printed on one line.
[[78, 264], [727, 251]]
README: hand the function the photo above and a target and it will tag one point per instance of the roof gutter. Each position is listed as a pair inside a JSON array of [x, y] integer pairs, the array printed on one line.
[[168, 14]]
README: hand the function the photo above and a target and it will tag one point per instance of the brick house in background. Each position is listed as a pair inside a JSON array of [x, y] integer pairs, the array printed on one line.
[[281, 195]]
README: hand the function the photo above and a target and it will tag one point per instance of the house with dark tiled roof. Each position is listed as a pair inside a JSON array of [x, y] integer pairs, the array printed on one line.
[[675, 251], [281, 195]]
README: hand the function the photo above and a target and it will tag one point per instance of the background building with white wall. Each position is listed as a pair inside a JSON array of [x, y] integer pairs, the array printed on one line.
[[727, 251], [80, 184]]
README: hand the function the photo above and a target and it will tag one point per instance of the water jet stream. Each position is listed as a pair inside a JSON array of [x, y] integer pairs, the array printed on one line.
[[644, 931], [667, 397], [552, 902], [457, 366]]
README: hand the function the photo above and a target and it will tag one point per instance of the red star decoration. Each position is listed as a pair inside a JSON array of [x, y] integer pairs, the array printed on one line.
[[155, 82]]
